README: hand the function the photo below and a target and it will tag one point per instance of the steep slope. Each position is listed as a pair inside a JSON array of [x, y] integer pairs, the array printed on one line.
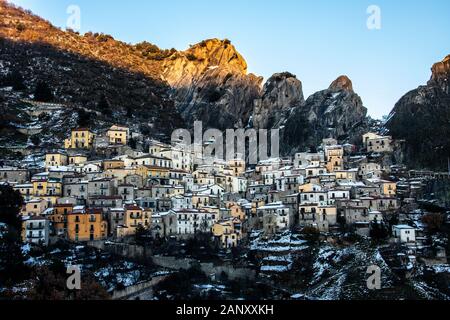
[[80, 69], [336, 112], [422, 119], [156, 91], [211, 84], [281, 93], [207, 82]]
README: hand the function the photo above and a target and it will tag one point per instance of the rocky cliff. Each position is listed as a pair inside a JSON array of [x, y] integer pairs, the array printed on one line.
[[422, 119], [282, 93], [440, 75], [210, 83], [336, 112], [158, 90], [79, 70]]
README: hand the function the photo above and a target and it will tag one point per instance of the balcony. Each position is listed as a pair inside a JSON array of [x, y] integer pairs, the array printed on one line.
[[38, 227], [34, 236]]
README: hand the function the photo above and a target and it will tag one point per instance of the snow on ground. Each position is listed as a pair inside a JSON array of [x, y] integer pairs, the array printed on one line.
[[276, 268], [427, 292], [287, 258], [287, 242], [26, 249], [441, 268]]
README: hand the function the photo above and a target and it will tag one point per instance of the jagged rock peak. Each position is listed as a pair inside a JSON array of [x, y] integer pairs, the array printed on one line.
[[282, 80], [217, 53], [212, 84], [282, 75], [342, 83], [441, 72], [421, 118], [281, 94]]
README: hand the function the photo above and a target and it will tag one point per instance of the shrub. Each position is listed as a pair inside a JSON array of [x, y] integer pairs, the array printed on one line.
[[20, 27], [433, 221], [15, 80], [311, 234], [35, 140], [43, 92], [103, 106], [213, 95], [191, 57]]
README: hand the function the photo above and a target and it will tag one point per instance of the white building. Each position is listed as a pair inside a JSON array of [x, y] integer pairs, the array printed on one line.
[[191, 221], [319, 197], [182, 202], [370, 170], [303, 160], [236, 184], [36, 230], [337, 194], [404, 233]]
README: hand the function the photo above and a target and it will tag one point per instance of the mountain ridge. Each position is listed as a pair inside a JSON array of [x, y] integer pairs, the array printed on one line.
[[155, 91], [422, 119]]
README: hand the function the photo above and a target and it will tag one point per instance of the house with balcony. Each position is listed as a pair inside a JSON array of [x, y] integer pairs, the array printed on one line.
[[56, 159], [14, 175], [118, 135], [377, 144], [105, 202], [126, 192], [101, 187], [77, 190], [275, 217], [192, 221], [80, 138], [36, 230], [164, 224], [86, 225], [228, 232], [134, 217], [34, 207], [26, 190], [58, 218]]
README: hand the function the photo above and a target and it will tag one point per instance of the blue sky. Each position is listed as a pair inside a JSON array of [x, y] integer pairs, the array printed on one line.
[[316, 40]]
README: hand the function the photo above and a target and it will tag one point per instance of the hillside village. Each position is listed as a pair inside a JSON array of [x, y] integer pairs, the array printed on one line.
[[80, 199], [275, 208]]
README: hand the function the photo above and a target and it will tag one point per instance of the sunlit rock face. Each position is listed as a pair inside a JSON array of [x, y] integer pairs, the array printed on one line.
[[210, 83], [440, 74], [422, 119], [342, 83]]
